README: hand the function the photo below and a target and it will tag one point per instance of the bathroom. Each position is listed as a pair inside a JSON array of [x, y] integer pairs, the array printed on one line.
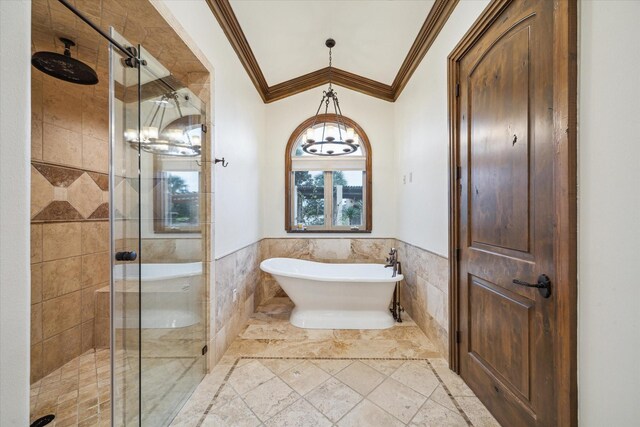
[[154, 294]]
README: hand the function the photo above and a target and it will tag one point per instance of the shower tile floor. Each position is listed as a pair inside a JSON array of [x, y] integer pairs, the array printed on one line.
[[78, 394], [275, 374]]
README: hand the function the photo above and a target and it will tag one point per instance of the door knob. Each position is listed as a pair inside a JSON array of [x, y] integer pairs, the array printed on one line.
[[126, 256], [543, 285]]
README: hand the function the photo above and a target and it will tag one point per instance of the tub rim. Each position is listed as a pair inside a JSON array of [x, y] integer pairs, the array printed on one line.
[[264, 266]]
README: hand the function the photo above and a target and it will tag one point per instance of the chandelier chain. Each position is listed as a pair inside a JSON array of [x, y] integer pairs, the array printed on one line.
[[330, 68]]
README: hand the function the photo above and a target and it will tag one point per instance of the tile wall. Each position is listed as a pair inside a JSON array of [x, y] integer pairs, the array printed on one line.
[[425, 292], [241, 271], [229, 310], [344, 250], [69, 217]]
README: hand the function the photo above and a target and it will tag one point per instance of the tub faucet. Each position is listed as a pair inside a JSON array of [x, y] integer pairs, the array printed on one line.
[[392, 261]]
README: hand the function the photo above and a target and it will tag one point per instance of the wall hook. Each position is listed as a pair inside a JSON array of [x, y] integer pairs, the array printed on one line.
[[223, 161]]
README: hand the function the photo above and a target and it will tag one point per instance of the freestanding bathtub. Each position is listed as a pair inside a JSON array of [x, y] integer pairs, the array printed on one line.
[[335, 296], [168, 295]]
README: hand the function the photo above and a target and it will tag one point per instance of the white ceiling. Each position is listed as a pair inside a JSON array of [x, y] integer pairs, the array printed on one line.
[[372, 36]]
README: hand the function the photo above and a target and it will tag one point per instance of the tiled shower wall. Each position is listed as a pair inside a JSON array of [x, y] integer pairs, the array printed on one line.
[[69, 217]]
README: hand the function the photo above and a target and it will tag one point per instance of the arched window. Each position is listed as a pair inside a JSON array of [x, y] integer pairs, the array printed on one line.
[[327, 193]]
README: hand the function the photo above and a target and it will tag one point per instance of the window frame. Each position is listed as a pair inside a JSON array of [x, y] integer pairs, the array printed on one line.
[[161, 166], [328, 187]]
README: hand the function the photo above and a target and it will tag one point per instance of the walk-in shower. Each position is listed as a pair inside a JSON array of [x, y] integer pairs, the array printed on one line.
[[120, 231]]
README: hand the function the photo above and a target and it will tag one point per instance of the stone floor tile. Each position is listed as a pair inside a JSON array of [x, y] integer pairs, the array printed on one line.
[[385, 367], [417, 375], [299, 414], [249, 376], [366, 414], [233, 414], [333, 398], [397, 399], [360, 377], [304, 377], [477, 413], [269, 398], [332, 367], [434, 415]]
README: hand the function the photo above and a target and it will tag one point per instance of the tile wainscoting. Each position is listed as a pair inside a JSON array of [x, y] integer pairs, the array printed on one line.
[[336, 250], [425, 289], [237, 277], [425, 292], [240, 270]]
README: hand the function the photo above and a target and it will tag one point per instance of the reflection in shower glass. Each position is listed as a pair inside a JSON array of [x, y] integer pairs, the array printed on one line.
[[158, 302]]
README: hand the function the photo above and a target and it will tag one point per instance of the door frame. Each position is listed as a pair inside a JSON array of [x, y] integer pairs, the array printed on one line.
[[565, 194]]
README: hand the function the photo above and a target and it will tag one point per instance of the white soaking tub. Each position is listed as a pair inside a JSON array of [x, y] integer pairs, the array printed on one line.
[[335, 296], [171, 295]]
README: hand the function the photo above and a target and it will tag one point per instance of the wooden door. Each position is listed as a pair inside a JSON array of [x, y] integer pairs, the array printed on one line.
[[508, 203]]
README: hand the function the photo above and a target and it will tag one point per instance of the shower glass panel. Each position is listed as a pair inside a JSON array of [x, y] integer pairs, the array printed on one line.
[[125, 236], [158, 299], [172, 313]]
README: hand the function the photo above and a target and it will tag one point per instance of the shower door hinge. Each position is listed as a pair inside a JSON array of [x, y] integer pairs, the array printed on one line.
[[457, 90], [205, 349], [204, 128], [133, 61], [458, 337]]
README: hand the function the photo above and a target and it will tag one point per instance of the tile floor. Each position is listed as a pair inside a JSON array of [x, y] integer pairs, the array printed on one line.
[[275, 374], [78, 394]]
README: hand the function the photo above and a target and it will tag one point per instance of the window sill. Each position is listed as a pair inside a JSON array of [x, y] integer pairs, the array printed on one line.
[[329, 231]]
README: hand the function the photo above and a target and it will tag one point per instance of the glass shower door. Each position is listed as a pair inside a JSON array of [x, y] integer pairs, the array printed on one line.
[[158, 298], [173, 332], [124, 208]]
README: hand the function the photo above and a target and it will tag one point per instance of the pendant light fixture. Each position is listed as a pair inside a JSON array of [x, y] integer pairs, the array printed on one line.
[[179, 138], [345, 141]]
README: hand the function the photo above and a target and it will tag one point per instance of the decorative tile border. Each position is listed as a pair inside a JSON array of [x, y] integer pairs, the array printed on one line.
[[235, 364], [60, 193]]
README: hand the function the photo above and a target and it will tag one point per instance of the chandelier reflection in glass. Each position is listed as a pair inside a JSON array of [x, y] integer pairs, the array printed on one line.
[[180, 137], [346, 140]]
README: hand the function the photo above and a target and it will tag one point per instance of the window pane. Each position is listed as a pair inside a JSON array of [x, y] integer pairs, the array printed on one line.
[[181, 200], [347, 199], [308, 200]]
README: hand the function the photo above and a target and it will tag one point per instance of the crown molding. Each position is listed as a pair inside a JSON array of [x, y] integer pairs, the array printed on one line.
[[437, 17], [338, 76], [434, 22]]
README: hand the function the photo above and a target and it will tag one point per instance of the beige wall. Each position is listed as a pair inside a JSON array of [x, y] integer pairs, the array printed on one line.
[[15, 73], [608, 212], [238, 126], [375, 116]]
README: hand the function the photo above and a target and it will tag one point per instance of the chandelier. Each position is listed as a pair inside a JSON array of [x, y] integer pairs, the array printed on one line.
[[345, 142], [180, 137]]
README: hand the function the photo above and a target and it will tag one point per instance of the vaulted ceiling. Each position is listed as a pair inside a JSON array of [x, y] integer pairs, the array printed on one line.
[[379, 44]]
